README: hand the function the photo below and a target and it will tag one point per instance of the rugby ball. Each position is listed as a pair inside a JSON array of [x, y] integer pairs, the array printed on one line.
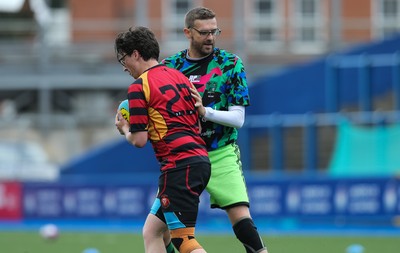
[[124, 109], [49, 231]]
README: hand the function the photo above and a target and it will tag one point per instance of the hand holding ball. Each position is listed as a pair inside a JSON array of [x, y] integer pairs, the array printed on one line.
[[124, 109]]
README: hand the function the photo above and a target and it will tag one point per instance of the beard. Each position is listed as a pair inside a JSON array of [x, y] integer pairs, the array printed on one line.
[[202, 48]]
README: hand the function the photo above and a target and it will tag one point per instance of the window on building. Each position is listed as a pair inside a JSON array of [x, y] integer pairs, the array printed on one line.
[[174, 18], [57, 4], [307, 26], [17, 25], [59, 32], [308, 7], [386, 17], [182, 6], [266, 25], [266, 34], [265, 6]]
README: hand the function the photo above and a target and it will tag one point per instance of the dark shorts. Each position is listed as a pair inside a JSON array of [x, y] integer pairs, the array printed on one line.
[[178, 195]]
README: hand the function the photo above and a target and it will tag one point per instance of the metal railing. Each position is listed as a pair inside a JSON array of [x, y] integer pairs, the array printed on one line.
[[275, 125]]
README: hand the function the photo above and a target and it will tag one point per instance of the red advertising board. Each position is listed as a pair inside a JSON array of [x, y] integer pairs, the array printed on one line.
[[10, 201]]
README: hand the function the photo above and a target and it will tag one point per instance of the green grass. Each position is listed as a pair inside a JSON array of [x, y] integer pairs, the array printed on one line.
[[69, 242]]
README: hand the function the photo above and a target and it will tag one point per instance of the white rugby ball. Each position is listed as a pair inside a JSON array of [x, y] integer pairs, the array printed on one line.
[[49, 231]]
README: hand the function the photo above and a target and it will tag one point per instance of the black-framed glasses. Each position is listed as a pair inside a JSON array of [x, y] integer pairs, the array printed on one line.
[[213, 32], [122, 59]]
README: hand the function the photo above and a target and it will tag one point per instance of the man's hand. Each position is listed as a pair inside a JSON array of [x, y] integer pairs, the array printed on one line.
[[199, 103], [121, 123]]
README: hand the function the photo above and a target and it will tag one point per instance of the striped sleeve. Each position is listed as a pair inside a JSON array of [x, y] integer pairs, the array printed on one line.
[[137, 107]]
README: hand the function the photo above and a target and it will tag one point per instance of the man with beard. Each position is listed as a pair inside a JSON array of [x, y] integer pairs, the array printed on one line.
[[221, 95]]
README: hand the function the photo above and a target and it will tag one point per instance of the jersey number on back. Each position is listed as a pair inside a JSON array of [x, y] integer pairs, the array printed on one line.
[[175, 98]]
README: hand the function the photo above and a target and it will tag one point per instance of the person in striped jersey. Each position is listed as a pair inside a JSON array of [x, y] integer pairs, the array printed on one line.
[[163, 111]]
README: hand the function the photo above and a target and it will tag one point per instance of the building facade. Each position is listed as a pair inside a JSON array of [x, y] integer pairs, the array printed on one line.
[[283, 30]]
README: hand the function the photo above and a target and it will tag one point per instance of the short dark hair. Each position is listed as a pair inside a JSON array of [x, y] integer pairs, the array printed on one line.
[[138, 38], [201, 13]]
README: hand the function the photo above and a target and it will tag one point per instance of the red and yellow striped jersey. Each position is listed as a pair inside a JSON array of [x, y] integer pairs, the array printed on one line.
[[160, 103]]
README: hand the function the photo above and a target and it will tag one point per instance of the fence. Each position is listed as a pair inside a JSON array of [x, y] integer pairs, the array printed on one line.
[[310, 124], [373, 74]]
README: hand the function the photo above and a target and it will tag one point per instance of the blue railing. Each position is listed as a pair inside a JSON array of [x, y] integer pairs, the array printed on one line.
[[368, 72], [364, 64], [276, 124]]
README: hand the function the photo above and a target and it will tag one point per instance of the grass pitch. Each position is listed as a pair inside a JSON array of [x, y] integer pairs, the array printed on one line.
[[71, 242]]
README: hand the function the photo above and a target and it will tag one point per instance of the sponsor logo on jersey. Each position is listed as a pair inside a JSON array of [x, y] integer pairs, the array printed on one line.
[[195, 78]]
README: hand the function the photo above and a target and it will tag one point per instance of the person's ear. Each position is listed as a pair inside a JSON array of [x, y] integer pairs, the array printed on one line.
[[187, 32], [135, 54]]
